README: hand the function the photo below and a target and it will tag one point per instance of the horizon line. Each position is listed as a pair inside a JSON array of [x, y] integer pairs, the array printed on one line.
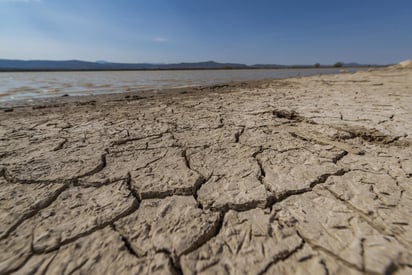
[[102, 62]]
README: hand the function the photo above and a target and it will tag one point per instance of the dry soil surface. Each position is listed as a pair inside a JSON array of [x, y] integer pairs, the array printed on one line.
[[297, 176]]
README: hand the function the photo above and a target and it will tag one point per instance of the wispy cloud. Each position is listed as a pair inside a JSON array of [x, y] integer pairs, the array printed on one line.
[[160, 39]]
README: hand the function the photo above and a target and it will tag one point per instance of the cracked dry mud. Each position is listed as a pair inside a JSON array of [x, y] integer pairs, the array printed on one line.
[[298, 176]]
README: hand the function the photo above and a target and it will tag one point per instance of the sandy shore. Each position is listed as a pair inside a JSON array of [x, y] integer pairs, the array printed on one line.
[[297, 176]]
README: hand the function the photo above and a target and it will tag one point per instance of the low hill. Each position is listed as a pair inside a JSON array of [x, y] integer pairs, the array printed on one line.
[[78, 65], [41, 65]]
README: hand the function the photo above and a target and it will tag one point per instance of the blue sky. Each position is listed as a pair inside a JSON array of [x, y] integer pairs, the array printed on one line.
[[244, 31]]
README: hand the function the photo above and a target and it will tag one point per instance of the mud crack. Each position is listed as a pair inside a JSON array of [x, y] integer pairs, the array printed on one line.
[[101, 226], [125, 241], [321, 179], [44, 204], [282, 257], [289, 114], [331, 254], [239, 133]]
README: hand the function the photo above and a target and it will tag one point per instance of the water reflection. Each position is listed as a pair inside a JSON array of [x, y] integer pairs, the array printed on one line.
[[24, 85]]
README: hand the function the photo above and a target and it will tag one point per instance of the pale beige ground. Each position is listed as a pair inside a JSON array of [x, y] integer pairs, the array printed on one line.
[[297, 176]]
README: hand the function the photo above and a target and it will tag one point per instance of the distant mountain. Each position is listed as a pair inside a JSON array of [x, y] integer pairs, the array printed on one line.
[[78, 65], [205, 65], [351, 64], [69, 65], [269, 66]]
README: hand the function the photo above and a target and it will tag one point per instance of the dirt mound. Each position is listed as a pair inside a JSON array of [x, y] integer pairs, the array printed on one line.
[[405, 64]]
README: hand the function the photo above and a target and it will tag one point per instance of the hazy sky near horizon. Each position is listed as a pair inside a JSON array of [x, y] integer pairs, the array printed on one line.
[[166, 31]]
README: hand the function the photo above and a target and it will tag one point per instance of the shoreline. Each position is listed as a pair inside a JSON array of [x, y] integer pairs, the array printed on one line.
[[137, 94], [281, 176], [194, 69], [224, 86]]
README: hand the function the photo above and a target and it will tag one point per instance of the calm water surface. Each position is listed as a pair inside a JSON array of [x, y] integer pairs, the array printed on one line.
[[28, 85]]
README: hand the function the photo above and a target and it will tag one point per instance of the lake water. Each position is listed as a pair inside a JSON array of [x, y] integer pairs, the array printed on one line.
[[27, 85]]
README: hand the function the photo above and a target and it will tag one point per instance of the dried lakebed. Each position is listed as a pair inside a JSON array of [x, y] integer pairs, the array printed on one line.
[[299, 176]]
